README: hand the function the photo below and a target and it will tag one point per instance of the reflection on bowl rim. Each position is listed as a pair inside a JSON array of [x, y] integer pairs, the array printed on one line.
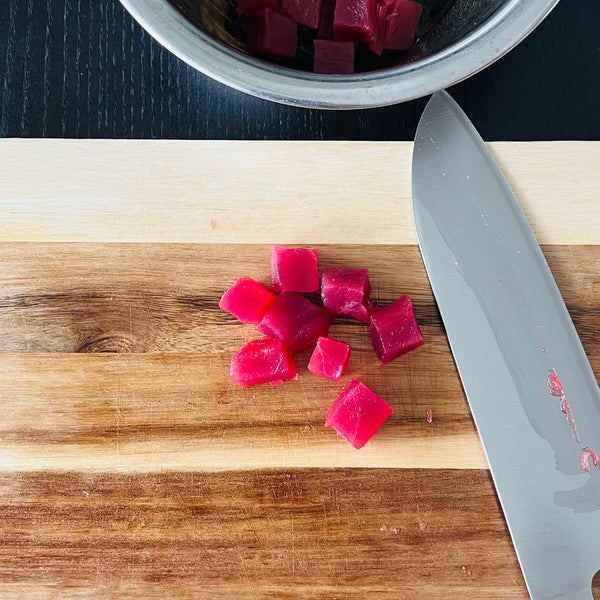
[[508, 26]]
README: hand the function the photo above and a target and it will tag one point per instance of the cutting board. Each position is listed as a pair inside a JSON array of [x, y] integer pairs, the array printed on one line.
[[131, 467]]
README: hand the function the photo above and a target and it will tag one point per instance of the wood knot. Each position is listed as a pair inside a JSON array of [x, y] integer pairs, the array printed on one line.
[[108, 344]]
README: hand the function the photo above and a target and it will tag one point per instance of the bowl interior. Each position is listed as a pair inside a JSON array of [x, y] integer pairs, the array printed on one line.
[[443, 23]]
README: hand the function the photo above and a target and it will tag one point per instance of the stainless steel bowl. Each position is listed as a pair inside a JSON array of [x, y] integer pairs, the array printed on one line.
[[470, 36]]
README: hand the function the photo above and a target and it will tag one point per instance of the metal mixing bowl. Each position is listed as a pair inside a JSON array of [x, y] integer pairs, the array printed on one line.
[[468, 36]]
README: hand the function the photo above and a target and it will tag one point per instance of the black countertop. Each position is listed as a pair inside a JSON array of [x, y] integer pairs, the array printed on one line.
[[86, 69]]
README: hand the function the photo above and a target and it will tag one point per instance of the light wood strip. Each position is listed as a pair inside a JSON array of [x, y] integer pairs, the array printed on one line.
[[265, 192], [139, 412]]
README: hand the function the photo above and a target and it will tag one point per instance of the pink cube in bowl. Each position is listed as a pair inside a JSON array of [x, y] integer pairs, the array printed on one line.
[[376, 42], [303, 12], [354, 20], [336, 58], [271, 34], [325, 30], [402, 20], [249, 6]]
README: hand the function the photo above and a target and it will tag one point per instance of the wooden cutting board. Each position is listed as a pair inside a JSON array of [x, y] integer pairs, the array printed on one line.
[[130, 466]]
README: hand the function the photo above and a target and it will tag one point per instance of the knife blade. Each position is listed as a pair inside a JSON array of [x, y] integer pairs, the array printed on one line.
[[530, 387]]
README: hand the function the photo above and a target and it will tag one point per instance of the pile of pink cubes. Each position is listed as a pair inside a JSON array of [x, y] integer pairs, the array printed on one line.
[[291, 322], [338, 26]]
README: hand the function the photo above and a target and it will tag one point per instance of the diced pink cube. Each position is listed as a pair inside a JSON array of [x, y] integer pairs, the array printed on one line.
[[394, 330], [248, 6], [248, 300], [358, 413], [262, 361], [304, 12], [334, 57], [271, 34], [346, 292], [325, 31], [294, 269], [402, 20], [376, 42], [296, 321], [354, 20], [329, 359]]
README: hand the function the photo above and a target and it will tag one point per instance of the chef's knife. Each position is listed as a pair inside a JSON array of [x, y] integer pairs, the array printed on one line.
[[529, 384]]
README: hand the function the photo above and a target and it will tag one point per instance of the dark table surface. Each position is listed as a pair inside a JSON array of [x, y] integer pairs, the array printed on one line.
[[86, 69]]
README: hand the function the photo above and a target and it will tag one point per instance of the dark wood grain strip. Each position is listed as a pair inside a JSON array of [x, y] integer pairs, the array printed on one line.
[[144, 298], [157, 298], [318, 533]]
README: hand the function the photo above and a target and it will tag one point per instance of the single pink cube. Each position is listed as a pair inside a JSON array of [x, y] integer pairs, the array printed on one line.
[[249, 6], [304, 12], [325, 30], [354, 20], [376, 42], [329, 359], [394, 330], [271, 34], [262, 361], [347, 292], [248, 300], [335, 58], [294, 269], [296, 321], [402, 20], [358, 413]]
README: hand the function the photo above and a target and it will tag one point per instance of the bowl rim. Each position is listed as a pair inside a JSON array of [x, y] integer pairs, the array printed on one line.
[[496, 36]]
